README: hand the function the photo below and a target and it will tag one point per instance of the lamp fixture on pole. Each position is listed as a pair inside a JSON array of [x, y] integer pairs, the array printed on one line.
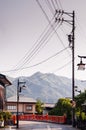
[[81, 65], [76, 89]]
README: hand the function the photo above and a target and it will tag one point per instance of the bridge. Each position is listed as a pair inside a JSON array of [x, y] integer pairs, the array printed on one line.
[[44, 118]]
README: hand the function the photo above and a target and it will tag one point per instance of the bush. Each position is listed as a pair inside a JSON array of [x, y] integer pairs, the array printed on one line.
[[1, 116], [5, 116]]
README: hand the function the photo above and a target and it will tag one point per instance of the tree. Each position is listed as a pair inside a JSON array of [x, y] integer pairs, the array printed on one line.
[[80, 99], [63, 106], [5, 116], [39, 107], [1, 116]]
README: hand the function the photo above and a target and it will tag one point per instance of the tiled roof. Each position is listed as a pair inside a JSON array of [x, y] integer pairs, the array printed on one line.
[[21, 99]]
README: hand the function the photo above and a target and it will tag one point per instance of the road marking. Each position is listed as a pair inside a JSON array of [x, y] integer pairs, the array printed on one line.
[[48, 127]]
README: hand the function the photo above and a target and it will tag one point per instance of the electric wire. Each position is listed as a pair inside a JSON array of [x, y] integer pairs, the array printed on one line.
[[26, 59], [39, 62], [36, 44], [53, 4], [50, 24], [80, 28], [34, 52], [42, 43], [59, 4], [62, 67], [49, 6]]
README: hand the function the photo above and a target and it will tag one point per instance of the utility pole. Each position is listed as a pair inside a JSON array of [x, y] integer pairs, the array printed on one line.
[[71, 39], [18, 91], [17, 104], [73, 71]]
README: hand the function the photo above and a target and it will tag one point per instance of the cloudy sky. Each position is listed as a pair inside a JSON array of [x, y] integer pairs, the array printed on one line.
[[32, 40]]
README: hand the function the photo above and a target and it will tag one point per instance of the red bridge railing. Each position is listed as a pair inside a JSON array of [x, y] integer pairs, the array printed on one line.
[[46, 118]]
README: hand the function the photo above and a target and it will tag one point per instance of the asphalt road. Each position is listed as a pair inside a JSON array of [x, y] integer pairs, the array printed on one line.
[[31, 125]]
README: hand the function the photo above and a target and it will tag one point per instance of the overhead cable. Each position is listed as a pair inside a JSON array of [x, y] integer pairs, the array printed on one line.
[[39, 62]]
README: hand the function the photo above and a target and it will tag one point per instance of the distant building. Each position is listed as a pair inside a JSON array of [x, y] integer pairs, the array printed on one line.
[[48, 107], [4, 82], [26, 105]]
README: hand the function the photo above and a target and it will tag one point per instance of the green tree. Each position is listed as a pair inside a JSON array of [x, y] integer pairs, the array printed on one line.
[[63, 106], [39, 107], [1, 116], [5, 116], [80, 99]]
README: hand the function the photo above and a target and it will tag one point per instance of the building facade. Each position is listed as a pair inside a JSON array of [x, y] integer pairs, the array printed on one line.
[[25, 105], [4, 82], [1, 98]]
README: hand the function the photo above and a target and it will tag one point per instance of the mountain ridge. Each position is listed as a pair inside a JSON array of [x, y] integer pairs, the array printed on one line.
[[47, 87]]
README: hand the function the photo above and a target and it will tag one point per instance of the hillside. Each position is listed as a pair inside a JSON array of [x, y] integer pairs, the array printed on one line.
[[47, 87]]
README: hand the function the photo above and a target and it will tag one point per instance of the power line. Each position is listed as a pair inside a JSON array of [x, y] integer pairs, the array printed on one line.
[[34, 50], [53, 4], [50, 23], [27, 57], [39, 62], [81, 29], [62, 67], [37, 43], [41, 44], [59, 4], [49, 6]]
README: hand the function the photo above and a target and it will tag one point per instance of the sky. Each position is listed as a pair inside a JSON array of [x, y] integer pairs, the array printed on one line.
[[31, 40]]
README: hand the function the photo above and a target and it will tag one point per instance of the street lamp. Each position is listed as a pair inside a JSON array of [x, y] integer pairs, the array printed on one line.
[[79, 91], [19, 90], [81, 65]]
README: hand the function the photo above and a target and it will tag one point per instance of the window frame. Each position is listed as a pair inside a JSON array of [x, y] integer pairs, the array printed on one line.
[[29, 107]]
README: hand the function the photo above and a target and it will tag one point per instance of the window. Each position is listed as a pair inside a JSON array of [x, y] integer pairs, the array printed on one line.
[[29, 107], [10, 107]]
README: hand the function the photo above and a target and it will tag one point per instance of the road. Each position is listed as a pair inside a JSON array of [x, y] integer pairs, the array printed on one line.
[[31, 125]]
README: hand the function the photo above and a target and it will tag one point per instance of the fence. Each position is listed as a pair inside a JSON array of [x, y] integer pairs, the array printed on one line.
[[46, 118]]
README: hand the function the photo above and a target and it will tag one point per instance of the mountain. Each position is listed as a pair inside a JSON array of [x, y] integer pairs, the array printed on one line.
[[47, 87]]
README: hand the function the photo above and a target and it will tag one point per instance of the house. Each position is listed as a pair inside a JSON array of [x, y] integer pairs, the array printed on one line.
[[48, 107], [4, 82], [25, 105]]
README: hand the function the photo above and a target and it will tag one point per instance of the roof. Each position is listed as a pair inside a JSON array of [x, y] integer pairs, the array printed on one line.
[[21, 99], [4, 81], [49, 105]]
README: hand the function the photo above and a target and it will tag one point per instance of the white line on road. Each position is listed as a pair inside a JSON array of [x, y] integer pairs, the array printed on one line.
[[48, 127]]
